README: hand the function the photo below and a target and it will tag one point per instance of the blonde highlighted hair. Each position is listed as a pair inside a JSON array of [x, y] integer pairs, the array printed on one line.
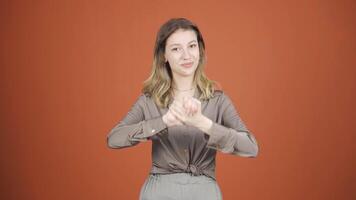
[[159, 83]]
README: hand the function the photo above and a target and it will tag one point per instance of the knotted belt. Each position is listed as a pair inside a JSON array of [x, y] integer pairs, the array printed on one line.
[[196, 171]]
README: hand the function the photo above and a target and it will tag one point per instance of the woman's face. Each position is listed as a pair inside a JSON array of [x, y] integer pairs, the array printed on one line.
[[182, 52]]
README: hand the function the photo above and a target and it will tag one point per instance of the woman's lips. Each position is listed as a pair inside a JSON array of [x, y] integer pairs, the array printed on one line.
[[187, 65]]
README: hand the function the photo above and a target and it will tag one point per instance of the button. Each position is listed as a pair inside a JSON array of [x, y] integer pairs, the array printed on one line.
[[153, 130]]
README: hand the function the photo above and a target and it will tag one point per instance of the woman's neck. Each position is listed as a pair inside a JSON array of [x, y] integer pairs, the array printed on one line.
[[183, 86], [182, 83]]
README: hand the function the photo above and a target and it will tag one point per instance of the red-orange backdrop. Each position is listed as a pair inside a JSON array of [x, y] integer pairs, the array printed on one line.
[[70, 70]]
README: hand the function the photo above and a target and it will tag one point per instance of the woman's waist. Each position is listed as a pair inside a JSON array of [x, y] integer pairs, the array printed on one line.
[[190, 170]]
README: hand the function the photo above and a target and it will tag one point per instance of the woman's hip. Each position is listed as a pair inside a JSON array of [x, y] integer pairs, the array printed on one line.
[[180, 186]]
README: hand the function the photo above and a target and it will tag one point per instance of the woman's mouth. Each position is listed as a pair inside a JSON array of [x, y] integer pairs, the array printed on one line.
[[187, 65]]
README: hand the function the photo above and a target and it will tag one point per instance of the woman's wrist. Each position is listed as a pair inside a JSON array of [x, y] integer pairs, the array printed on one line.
[[164, 119], [204, 124]]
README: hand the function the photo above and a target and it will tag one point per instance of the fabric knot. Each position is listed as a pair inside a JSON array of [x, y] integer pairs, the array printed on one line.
[[196, 171]]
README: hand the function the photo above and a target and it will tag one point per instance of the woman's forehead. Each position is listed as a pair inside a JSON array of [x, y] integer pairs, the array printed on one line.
[[181, 37]]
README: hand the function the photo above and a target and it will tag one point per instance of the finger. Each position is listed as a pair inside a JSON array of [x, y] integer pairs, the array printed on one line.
[[179, 122], [179, 107], [185, 99], [194, 108], [197, 102], [171, 118], [175, 121], [179, 119], [186, 107], [191, 108], [186, 104], [179, 102], [197, 107], [176, 113]]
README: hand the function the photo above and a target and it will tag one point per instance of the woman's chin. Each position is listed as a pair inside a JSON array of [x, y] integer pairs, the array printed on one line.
[[186, 73]]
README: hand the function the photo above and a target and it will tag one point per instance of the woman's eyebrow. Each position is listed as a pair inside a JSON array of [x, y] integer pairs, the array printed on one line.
[[180, 44]]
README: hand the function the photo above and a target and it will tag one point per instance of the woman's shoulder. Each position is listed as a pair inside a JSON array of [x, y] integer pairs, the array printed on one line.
[[145, 97], [221, 97], [218, 93], [142, 98], [216, 97]]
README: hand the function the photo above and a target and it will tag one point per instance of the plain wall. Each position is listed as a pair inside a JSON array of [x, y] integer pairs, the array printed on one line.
[[70, 70]]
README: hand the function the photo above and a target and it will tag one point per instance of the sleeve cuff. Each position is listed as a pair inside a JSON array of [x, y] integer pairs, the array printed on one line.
[[150, 127], [222, 138], [217, 136]]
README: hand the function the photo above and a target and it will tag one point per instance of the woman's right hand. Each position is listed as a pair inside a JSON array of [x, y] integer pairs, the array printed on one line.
[[170, 120]]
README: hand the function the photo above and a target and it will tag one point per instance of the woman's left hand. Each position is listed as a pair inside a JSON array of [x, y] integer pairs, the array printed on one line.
[[189, 112]]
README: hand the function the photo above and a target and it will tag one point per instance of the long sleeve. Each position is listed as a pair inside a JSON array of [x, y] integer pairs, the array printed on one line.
[[232, 136], [134, 128]]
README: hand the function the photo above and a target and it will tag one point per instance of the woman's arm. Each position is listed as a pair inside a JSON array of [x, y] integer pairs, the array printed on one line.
[[231, 136], [133, 128]]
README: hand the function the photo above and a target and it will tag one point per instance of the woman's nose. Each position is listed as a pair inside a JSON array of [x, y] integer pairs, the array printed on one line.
[[186, 54]]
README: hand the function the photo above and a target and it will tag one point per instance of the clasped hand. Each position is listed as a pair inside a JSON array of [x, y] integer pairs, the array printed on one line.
[[187, 112]]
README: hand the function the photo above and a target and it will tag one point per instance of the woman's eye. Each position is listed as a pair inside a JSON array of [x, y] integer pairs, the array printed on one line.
[[193, 45], [175, 49]]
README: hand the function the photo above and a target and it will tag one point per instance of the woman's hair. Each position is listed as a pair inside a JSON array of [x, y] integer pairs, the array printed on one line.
[[159, 83]]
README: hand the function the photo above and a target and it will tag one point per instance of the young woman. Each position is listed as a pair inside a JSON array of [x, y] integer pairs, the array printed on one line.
[[185, 117]]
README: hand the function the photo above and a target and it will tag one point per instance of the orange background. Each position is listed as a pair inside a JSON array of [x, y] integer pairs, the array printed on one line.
[[70, 70]]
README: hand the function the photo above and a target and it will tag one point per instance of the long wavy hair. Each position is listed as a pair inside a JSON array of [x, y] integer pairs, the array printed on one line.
[[159, 83]]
